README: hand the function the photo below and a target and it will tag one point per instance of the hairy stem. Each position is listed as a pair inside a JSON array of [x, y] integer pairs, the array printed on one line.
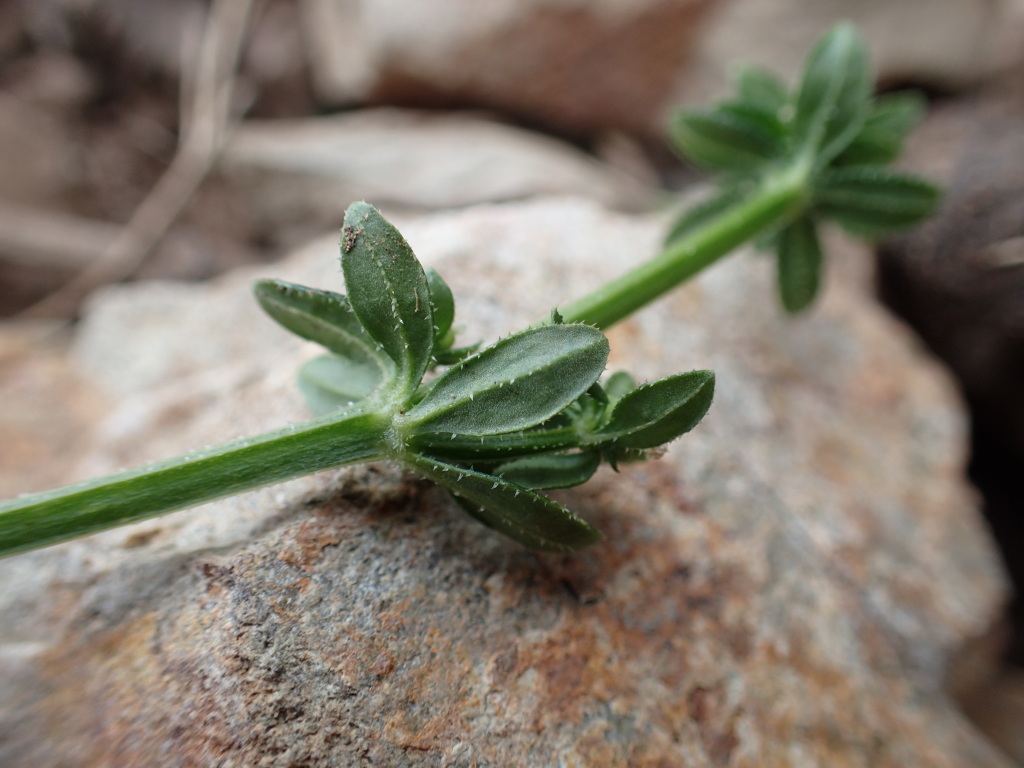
[[41, 519], [775, 202]]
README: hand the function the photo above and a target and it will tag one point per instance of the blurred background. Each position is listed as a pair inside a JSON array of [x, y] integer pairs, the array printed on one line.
[[177, 139]]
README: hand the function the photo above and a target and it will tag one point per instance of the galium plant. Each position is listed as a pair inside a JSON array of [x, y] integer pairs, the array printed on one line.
[[785, 160], [524, 414], [529, 413]]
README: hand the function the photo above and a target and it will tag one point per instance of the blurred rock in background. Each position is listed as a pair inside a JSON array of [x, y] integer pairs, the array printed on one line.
[[959, 280]]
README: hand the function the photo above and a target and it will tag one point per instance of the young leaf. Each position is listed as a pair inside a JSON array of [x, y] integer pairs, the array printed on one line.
[[799, 257], [619, 384], [388, 291], [516, 383], [762, 89], [441, 302], [722, 141], [544, 472], [330, 383], [657, 413], [322, 317], [767, 122], [596, 394], [873, 201], [703, 212], [834, 97], [455, 354], [520, 514], [880, 140]]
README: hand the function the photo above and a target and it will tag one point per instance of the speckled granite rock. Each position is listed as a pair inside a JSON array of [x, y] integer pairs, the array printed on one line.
[[792, 584]]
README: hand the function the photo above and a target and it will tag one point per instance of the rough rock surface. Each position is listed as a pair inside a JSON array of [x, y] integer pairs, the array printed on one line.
[[792, 584]]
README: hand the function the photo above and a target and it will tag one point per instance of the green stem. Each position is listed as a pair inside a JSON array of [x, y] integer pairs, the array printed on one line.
[[775, 202], [41, 519]]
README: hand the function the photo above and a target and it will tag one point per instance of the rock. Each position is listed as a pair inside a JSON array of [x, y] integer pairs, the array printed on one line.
[[960, 278], [309, 168], [1000, 712], [574, 66], [959, 281], [48, 409], [947, 45], [792, 583], [586, 67]]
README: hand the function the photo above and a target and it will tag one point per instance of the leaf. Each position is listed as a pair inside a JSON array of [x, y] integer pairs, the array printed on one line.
[[388, 291], [722, 141], [703, 213], [455, 354], [476, 450], [657, 413], [517, 512], [834, 96], [873, 201], [762, 89], [618, 384], [442, 304], [330, 383], [516, 383], [544, 472], [881, 138], [766, 121], [799, 264], [322, 317]]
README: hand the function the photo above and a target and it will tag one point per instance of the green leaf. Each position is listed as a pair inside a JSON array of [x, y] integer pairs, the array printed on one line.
[[881, 138], [657, 413], [441, 302], [388, 291], [322, 317], [455, 354], [544, 472], [762, 89], [619, 384], [799, 257], [722, 141], [517, 512], [330, 383], [516, 383], [703, 213], [873, 201], [834, 97], [767, 122], [474, 450]]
